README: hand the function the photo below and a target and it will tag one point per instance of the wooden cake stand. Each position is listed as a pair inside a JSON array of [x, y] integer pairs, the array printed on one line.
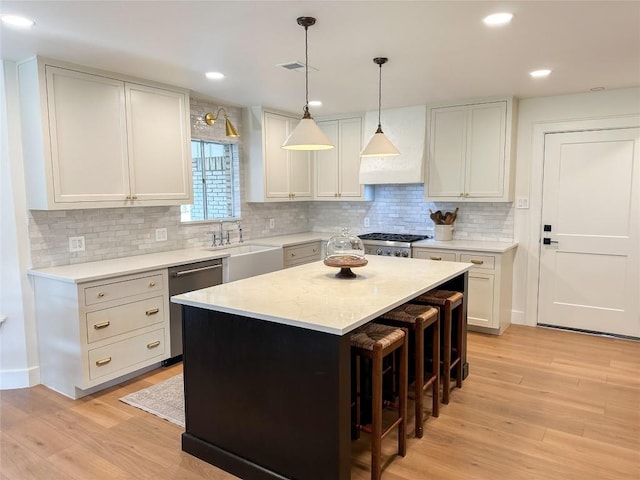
[[345, 263]]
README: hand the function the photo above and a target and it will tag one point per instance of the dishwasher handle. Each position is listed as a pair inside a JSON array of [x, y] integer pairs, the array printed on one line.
[[181, 273]]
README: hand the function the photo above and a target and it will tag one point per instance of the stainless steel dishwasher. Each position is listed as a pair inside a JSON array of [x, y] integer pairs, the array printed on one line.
[[182, 279]]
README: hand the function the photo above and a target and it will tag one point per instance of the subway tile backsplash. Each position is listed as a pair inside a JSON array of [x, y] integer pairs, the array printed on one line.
[[120, 232]]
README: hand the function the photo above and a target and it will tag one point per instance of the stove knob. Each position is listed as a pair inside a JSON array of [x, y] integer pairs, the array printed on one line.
[[397, 253], [405, 254], [388, 252], [379, 251]]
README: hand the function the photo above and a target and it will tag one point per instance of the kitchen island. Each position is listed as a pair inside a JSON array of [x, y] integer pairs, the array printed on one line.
[[267, 363]]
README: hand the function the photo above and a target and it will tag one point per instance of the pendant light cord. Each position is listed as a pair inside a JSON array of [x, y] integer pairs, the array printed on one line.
[[379, 97], [306, 73]]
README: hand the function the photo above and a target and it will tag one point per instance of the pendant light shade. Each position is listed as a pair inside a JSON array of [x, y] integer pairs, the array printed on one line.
[[307, 135], [379, 145]]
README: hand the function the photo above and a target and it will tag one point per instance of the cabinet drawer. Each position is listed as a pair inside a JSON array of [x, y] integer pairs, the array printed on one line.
[[122, 289], [485, 262], [428, 254], [309, 252], [125, 318], [127, 353]]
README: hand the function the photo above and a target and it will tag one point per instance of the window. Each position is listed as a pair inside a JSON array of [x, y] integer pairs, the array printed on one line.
[[215, 183]]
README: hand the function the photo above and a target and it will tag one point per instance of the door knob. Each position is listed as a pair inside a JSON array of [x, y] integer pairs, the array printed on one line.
[[548, 241]]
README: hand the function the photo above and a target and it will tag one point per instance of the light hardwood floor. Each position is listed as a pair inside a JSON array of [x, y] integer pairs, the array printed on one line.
[[539, 404]]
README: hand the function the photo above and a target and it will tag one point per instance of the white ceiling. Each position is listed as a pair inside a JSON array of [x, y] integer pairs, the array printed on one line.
[[438, 50]]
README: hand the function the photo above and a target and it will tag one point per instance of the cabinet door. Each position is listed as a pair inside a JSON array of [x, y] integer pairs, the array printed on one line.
[[350, 144], [485, 166], [88, 136], [276, 159], [160, 163], [328, 163], [447, 152], [480, 298], [300, 173]]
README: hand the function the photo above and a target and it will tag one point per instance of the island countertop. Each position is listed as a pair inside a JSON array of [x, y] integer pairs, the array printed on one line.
[[309, 296]]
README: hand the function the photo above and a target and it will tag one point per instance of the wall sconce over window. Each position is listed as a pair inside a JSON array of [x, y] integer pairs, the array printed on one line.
[[210, 119]]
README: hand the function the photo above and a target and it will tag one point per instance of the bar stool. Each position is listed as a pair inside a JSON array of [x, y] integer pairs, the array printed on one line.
[[420, 320], [448, 302], [376, 342]]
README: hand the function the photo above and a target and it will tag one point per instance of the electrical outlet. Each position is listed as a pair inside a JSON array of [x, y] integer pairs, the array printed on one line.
[[161, 234], [272, 223], [76, 244], [522, 202], [366, 222]]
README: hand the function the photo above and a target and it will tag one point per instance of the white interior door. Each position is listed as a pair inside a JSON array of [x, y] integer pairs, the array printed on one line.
[[589, 278]]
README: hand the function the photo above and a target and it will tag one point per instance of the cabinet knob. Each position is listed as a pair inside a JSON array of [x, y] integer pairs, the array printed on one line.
[[128, 197], [152, 284], [101, 294], [293, 254], [103, 361], [134, 197], [153, 344]]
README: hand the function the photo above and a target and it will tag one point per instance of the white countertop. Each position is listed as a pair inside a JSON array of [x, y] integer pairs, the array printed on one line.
[[89, 271], [474, 245], [309, 296]]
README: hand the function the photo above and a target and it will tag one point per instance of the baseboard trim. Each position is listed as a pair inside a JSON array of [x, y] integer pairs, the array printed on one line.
[[20, 378]]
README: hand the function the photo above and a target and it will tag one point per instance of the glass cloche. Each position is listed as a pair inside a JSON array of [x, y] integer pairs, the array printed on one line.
[[345, 251]]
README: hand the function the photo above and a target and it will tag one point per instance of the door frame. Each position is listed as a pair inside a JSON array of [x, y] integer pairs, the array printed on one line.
[[535, 199]]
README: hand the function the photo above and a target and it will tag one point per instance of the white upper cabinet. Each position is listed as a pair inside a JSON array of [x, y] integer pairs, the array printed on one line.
[[96, 140], [471, 152], [337, 171], [274, 174]]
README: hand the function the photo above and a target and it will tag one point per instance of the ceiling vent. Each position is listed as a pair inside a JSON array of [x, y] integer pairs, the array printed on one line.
[[295, 66]]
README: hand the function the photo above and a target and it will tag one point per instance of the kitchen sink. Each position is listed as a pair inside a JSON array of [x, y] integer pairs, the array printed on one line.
[[249, 260]]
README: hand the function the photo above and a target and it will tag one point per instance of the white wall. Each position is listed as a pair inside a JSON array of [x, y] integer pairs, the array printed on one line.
[[18, 337], [536, 115]]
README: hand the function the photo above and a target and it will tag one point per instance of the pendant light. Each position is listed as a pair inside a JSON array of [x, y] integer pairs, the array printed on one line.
[[379, 145], [307, 135]]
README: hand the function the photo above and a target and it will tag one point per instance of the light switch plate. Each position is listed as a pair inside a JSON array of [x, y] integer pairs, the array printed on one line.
[[161, 234], [522, 202], [366, 222], [76, 244]]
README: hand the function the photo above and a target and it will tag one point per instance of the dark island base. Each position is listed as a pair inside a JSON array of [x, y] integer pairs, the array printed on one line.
[[265, 400]]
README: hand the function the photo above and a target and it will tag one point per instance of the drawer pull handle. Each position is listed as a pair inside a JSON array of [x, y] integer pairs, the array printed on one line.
[[153, 311], [101, 294], [477, 262], [153, 344], [99, 326], [435, 258], [103, 361], [152, 284]]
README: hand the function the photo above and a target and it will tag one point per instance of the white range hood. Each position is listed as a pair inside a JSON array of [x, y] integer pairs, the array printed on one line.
[[406, 128]]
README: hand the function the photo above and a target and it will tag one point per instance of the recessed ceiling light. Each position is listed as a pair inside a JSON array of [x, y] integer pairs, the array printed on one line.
[[540, 73], [214, 75], [498, 19], [315, 103], [17, 21]]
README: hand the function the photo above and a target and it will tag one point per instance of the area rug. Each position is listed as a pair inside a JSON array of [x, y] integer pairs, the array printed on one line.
[[165, 400]]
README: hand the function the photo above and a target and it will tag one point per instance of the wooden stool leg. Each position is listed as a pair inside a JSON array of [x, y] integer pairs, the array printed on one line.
[[376, 416], [446, 353], [404, 385], [419, 381], [459, 340], [435, 355]]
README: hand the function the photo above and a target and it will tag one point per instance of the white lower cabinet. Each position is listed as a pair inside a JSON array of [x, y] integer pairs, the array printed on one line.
[[304, 253], [489, 288], [95, 332]]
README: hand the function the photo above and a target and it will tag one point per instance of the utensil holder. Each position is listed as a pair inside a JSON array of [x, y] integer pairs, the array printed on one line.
[[443, 232]]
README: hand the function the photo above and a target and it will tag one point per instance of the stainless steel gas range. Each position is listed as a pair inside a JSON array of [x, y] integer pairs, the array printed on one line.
[[391, 244]]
